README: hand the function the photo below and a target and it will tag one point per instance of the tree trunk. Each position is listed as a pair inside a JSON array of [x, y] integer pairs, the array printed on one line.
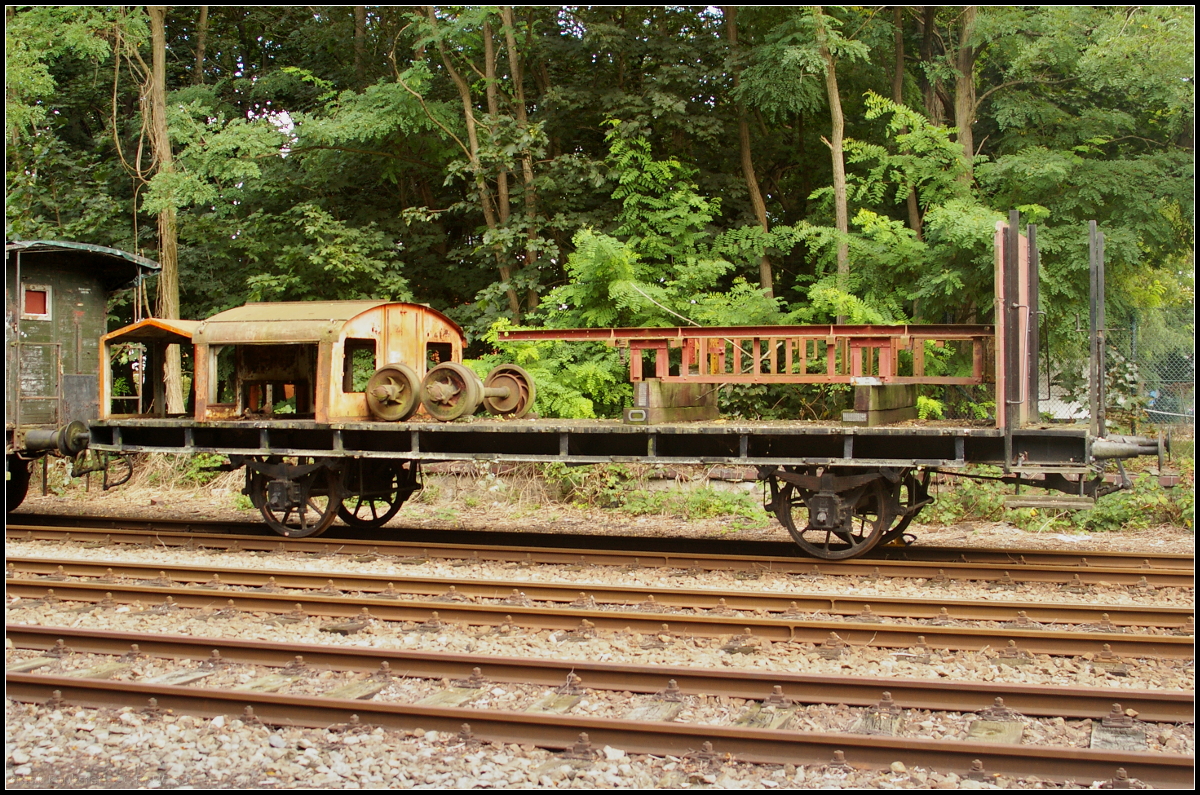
[[914, 212], [168, 254], [492, 92], [930, 89], [201, 40], [528, 194], [842, 220], [964, 89], [766, 278], [360, 44], [487, 203]]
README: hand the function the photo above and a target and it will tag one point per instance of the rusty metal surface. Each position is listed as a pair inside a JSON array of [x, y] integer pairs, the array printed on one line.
[[309, 347], [805, 597], [157, 329], [863, 354], [283, 321], [1041, 700], [772, 629], [946, 331], [554, 731]]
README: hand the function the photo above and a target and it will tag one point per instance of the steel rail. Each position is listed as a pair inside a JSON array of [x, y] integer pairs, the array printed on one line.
[[1086, 574], [859, 691], [785, 550], [558, 731], [1049, 613], [776, 628]]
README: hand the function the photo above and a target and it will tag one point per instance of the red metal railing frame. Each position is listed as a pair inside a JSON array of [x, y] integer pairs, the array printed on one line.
[[858, 354]]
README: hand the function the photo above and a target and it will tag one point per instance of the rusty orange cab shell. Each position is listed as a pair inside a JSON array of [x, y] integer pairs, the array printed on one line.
[[314, 351]]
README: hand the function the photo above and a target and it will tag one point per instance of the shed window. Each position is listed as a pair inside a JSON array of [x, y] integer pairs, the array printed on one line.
[[438, 353], [37, 303], [358, 365]]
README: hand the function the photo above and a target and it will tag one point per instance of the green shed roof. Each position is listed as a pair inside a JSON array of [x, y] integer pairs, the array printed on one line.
[[115, 268]]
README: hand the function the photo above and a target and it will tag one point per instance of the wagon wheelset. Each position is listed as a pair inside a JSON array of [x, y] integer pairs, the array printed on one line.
[[298, 501], [450, 391], [376, 496], [393, 393], [868, 514], [509, 391]]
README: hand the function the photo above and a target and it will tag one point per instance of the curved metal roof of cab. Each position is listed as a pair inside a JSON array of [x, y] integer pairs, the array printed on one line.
[[292, 321], [116, 268]]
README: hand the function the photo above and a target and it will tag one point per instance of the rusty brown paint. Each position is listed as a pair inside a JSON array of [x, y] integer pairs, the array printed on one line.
[[767, 354], [306, 345], [155, 333]]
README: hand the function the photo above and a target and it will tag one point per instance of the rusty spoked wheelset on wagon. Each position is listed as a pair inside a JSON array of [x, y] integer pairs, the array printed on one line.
[[297, 496], [838, 513], [374, 491]]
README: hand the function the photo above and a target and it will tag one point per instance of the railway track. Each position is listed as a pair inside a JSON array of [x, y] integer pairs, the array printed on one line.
[[552, 730], [859, 691], [131, 573], [586, 542], [944, 564], [1013, 641], [796, 602]]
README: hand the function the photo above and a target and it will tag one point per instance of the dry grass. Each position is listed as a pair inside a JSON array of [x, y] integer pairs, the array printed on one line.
[[154, 476]]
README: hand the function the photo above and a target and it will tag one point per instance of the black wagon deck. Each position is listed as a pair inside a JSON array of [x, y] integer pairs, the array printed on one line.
[[604, 441]]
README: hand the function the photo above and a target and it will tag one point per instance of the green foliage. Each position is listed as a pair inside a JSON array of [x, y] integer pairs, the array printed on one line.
[[1144, 506], [626, 488], [660, 267], [785, 401], [968, 500], [598, 486], [698, 503], [361, 261], [35, 39], [314, 162], [928, 408], [925, 158], [201, 468], [574, 380]]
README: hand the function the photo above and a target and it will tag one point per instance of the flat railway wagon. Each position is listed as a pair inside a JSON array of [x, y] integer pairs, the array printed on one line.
[[56, 307], [332, 407]]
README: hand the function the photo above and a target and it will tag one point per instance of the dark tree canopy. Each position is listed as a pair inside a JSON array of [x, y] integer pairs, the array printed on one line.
[[618, 164]]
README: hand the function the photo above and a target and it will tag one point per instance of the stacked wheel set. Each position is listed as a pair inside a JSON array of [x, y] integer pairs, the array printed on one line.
[[448, 392]]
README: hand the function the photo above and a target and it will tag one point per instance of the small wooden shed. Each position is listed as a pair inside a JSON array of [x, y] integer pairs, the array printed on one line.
[[154, 334], [312, 359]]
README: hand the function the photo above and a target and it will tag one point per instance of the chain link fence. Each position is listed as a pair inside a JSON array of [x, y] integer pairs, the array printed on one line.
[[1150, 375]]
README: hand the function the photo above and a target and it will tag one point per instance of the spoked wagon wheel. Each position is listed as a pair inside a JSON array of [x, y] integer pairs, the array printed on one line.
[[450, 391], [867, 520], [393, 393], [375, 492], [915, 490], [296, 501]]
